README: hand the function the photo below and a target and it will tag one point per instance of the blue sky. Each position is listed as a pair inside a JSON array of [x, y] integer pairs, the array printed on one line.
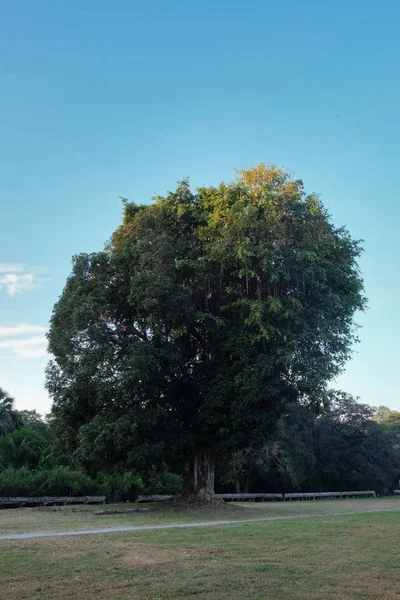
[[101, 100]]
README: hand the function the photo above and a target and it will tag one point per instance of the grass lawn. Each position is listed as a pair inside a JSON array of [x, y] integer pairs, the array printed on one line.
[[324, 558], [23, 520]]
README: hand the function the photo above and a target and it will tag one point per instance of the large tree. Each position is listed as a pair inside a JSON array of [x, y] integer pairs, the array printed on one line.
[[205, 315]]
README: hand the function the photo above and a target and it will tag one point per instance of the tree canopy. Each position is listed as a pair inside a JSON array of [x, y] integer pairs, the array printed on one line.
[[340, 450], [380, 413], [8, 415], [206, 314]]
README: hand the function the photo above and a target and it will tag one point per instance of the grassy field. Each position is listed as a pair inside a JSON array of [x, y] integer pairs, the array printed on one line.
[[323, 558], [87, 517]]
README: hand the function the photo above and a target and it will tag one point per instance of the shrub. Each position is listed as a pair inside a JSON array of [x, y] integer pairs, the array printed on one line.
[[17, 483], [121, 487], [22, 448], [63, 481], [60, 481], [164, 483]]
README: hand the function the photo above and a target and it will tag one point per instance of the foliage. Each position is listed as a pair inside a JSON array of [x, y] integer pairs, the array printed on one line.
[[31, 419], [294, 454], [64, 481], [354, 451], [391, 423], [123, 487], [390, 420], [8, 416], [59, 481], [163, 483], [23, 448], [25, 438], [207, 313], [31, 464], [380, 413], [340, 450]]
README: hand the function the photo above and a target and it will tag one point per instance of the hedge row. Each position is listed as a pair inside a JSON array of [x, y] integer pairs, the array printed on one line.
[[64, 481]]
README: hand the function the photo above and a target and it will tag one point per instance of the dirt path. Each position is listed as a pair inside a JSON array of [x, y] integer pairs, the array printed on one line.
[[47, 534]]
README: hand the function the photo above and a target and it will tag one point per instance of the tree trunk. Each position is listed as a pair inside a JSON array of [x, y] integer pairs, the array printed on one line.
[[201, 483], [259, 289], [237, 485]]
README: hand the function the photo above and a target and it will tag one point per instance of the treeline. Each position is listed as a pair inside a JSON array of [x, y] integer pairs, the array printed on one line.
[[349, 446], [32, 463]]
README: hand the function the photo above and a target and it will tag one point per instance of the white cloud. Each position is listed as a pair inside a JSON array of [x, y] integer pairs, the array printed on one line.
[[33, 341], [16, 278], [13, 283], [21, 329], [33, 347], [11, 268], [32, 353]]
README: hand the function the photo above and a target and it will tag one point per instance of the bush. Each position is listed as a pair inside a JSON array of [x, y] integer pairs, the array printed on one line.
[[17, 483], [121, 488], [60, 481], [64, 481], [22, 448], [164, 483]]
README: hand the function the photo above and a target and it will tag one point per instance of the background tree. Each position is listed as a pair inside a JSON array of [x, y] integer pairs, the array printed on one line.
[[391, 423], [25, 437], [341, 449], [8, 416], [380, 413], [34, 421], [206, 315], [23, 448], [352, 450], [390, 420]]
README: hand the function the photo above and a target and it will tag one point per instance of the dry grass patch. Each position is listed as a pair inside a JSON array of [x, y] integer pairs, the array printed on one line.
[[148, 554]]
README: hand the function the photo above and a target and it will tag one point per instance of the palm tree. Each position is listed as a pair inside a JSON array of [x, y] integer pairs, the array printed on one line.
[[8, 416]]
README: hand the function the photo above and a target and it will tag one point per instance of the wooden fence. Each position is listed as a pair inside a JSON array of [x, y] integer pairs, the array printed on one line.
[[259, 497], [331, 495], [250, 497], [9, 502]]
